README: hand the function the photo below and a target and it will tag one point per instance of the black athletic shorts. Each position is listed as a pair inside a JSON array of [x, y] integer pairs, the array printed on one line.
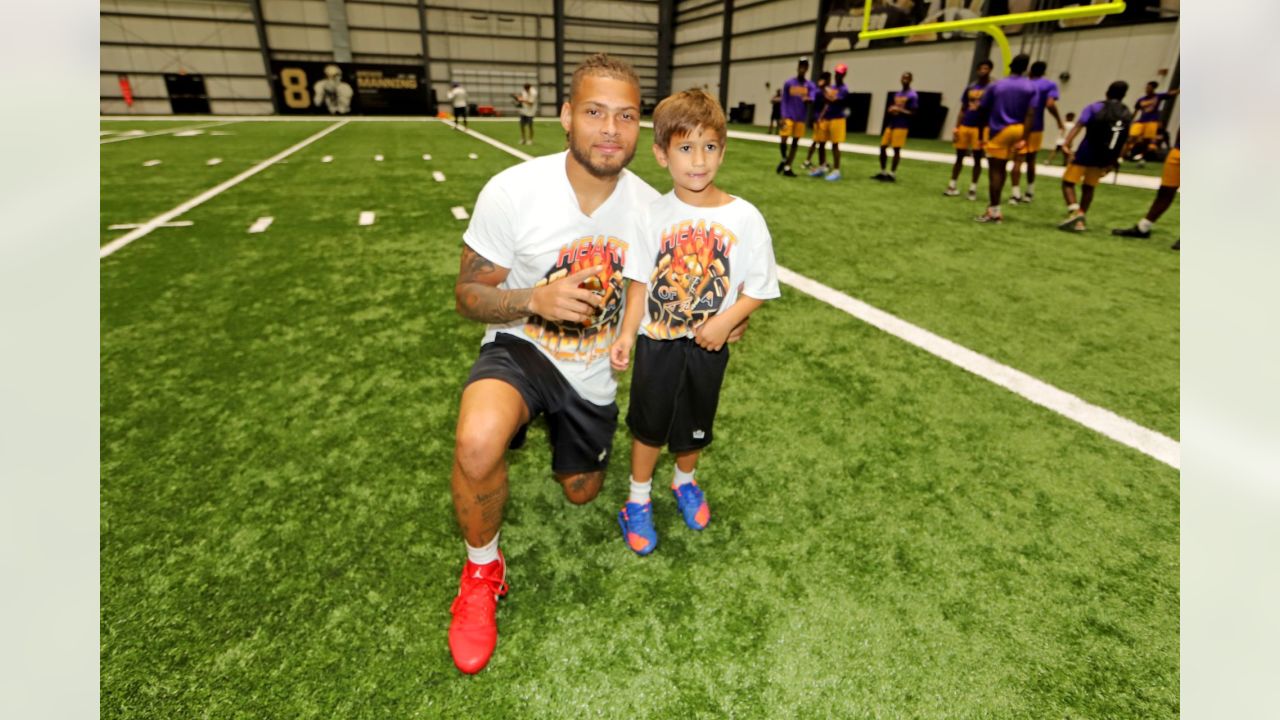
[[526, 120], [580, 431], [675, 389]]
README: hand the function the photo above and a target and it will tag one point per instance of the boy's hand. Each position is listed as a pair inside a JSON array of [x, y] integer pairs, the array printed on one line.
[[564, 301], [712, 334], [620, 353]]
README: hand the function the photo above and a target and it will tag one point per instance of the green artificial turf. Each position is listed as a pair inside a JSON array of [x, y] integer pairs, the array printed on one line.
[[891, 536]]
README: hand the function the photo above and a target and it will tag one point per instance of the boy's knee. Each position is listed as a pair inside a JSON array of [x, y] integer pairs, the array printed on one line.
[[581, 488]]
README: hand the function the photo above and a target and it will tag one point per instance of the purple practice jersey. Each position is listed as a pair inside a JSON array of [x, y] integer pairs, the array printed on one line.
[[908, 100], [1045, 89], [1006, 102], [1148, 107], [794, 94], [972, 108], [1093, 151], [835, 109]]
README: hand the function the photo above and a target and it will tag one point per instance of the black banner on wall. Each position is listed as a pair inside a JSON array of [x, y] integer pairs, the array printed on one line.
[[319, 88]]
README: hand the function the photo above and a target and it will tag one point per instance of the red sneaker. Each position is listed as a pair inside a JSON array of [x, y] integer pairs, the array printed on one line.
[[473, 633]]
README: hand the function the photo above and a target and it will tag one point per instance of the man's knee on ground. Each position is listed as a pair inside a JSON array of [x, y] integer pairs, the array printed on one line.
[[581, 488]]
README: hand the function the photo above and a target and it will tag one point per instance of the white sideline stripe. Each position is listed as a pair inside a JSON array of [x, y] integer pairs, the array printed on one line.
[[261, 224], [130, 226], [439, 176], [212, 192], [1145, 182], [366, 217], [1100, 420], [486, 139], [459, 212], [122, 138]]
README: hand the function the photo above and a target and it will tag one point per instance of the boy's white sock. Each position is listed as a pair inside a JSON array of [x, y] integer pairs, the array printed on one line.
[[483, 555], [993, 209], [951, 185], [1031, 189], [891, 173], [1145, 225], [640, 491], [973, 187], [1073, 207], [682, 478], [1017, 192]]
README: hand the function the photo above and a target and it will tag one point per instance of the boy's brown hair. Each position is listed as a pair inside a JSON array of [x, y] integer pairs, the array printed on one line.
[[681, 114], [603, 65]]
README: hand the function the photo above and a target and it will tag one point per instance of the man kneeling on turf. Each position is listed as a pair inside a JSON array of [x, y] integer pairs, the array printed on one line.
[[701, 264]]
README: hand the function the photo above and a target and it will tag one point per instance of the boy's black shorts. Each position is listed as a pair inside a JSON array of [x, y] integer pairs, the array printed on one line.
[[526, 120], [675, 389], [581, 432]]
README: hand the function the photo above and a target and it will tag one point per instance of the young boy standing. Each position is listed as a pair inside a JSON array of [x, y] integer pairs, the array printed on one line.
[[702, 263]]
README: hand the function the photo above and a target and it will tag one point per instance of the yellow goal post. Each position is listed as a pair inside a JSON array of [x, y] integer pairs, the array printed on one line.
[[989, 25]]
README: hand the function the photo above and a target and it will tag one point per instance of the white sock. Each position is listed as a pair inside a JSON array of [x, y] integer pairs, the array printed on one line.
[[890, 173], [1031, 189], [1073, 207], [483, 555], [973, 187], [681, 478], [1017, 192], [951, 185], [1145, 225], [640, 491], [994, 209]]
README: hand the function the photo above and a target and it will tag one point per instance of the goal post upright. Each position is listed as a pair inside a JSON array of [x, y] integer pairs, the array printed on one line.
[[989, 25]]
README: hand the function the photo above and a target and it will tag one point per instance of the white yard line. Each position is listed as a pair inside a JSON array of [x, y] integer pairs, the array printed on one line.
[[212, 192], [261, 224], [1100, 420], [122, 138], [439, 176], [1145, 182], [366, 217], [459, 212]]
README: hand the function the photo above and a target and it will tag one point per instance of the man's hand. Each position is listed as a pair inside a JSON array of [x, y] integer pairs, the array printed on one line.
[[712, 334], [564, 301], [620, 353]]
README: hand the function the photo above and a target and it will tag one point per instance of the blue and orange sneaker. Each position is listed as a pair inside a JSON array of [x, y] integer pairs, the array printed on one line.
[[636, 521], [692, 504]]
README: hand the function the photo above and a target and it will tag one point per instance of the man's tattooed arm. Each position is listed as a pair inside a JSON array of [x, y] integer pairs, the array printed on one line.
[[477, 296]]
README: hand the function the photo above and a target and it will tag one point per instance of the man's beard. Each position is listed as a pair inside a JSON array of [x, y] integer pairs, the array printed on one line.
[[598, 171]]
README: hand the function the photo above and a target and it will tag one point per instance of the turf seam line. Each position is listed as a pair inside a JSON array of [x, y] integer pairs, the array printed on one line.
[[212, 192], [122, 138], [1099, 419]]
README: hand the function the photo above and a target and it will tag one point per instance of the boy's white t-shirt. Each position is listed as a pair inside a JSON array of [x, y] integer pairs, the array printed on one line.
[[458, 96], [527, 219], [696, 261]]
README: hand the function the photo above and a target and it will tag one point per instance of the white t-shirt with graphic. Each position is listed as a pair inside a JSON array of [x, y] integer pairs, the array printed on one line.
[[527, 219], [696, 261]]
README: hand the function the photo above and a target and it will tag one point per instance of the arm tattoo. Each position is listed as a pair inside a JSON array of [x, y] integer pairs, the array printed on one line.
[[478, 299]]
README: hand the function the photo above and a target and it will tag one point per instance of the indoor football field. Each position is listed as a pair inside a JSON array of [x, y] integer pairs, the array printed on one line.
[[893, 536]]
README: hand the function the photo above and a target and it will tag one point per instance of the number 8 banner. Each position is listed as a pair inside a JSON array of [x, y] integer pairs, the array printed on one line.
[[319, 88]]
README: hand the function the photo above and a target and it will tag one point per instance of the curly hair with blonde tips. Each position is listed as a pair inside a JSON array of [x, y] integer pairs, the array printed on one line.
[[681, 114], [603, 65]]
